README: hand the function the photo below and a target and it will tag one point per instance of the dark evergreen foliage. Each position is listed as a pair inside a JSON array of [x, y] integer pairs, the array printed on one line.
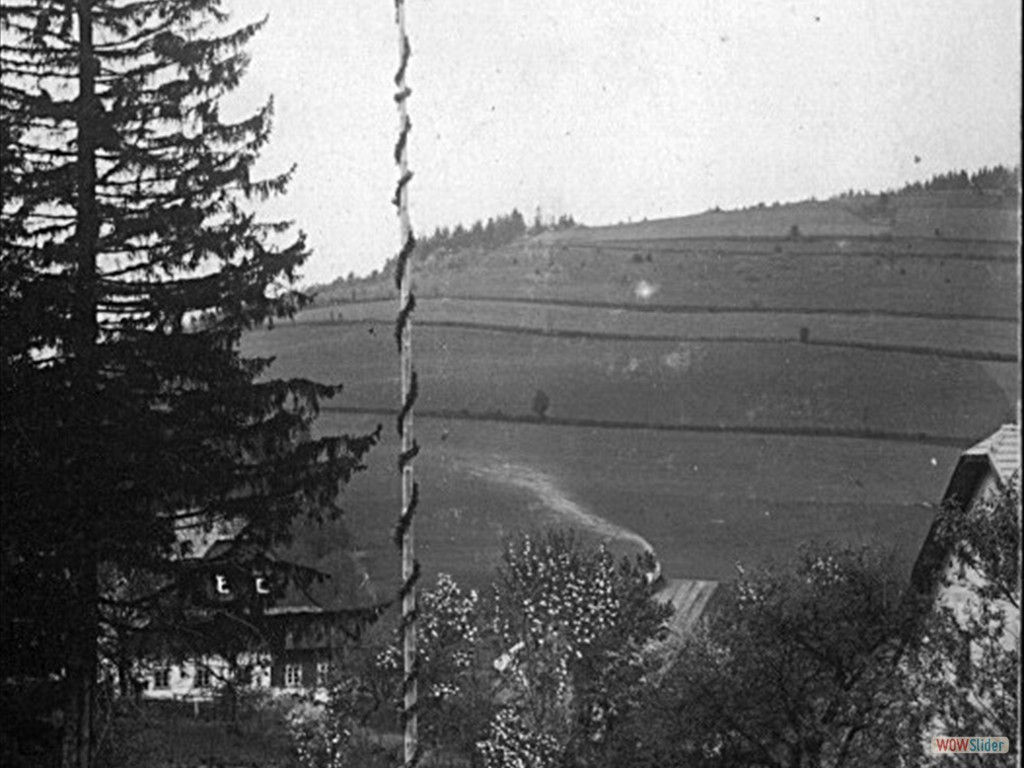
[[995, 179], [497, 232], [132, 262]]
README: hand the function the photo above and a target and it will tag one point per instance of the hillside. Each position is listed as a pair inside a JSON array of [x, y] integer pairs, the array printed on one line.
[[721, 386]]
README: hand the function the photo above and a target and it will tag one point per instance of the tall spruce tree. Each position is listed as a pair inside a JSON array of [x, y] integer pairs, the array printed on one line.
[[131, 264]]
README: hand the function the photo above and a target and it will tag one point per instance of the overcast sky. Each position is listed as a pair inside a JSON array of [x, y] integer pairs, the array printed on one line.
[[613, 110]]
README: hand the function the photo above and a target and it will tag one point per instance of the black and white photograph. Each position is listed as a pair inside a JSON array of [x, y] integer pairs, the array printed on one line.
[[492, 384]]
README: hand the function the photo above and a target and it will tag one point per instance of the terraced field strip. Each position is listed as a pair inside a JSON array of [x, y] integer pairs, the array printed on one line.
[[955, 250], [919, 438], [739, 385], [718, 309], [692, 309], [938, 221], [987, 340], [829, 283]]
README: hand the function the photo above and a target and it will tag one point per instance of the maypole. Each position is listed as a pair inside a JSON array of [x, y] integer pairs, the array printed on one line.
[[409, 448]]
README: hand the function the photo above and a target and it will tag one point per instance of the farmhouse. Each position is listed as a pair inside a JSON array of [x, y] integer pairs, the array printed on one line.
[[278, 622]]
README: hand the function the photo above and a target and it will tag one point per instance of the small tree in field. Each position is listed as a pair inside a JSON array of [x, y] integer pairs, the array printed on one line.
[[541, 403]]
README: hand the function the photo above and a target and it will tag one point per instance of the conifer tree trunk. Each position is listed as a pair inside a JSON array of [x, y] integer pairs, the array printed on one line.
[[82, 669], [80, 678]]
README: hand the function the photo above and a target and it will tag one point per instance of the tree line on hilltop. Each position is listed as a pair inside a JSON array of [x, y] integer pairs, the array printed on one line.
[[495, 232], [998, 178]]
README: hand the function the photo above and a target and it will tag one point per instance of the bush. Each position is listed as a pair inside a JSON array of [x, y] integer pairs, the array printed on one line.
[[541, 403]]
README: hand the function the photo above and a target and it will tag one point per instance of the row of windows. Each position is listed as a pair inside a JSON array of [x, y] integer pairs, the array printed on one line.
[[293, 674], [162, 678], [204, 677]]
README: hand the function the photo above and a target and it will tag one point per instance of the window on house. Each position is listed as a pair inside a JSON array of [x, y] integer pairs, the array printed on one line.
[[323, 674], [162, 678], [203, 677], [292, 675]]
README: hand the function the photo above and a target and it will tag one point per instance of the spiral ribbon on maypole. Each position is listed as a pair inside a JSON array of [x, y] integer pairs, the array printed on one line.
[[404, 538]]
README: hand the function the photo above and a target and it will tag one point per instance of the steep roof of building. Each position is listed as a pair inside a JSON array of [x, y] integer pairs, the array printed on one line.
[[998, 456], [1002, 449]]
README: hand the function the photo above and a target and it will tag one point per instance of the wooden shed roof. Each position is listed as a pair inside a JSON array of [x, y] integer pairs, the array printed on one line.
[[689, 599]]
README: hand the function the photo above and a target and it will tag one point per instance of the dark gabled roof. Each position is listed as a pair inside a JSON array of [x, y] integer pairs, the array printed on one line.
[[997, 455], [337, 587]]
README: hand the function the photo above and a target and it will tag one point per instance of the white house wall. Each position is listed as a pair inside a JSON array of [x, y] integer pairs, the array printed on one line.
[[182, 683]]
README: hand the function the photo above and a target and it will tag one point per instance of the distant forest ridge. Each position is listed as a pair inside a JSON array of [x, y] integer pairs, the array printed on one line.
[[999, 178], [998, 181]]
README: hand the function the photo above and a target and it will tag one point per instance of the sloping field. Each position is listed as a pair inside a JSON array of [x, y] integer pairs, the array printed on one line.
[[832, 283], [702, 384], [956, 337], [722, 387], [957, 216], [892, 281], [924, 247], [812, 219], [704, 502]]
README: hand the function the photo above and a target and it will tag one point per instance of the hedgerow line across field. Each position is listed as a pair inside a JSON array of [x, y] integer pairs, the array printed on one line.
[[671, 249], [698, 309], [916, 438], [956, 354]]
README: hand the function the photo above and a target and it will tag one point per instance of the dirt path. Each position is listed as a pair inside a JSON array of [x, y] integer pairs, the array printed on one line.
[[547, 491]]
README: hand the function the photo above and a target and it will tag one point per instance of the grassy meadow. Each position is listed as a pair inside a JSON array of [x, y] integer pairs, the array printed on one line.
[[825, 279], [704, 502], [721, 389], [703, 384]]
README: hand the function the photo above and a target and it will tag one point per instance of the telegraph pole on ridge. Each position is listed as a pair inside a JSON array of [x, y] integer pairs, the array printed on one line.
[[409, 448]]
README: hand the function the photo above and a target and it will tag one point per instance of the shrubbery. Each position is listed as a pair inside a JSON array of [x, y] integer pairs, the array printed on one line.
[[539, 668], [824, 660]]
